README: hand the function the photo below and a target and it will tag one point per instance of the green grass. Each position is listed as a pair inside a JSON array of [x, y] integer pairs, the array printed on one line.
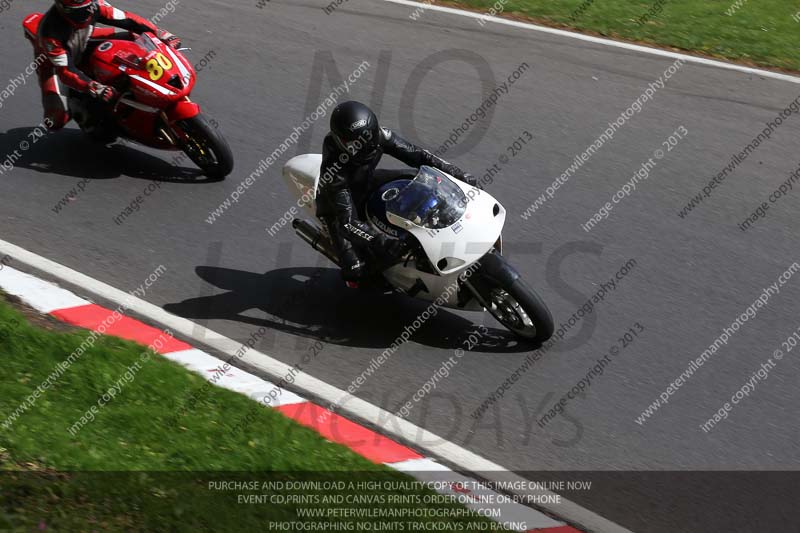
[[130, 469], [760, 32]]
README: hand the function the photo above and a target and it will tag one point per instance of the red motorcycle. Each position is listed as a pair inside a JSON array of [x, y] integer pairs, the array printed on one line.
[[154, 108]]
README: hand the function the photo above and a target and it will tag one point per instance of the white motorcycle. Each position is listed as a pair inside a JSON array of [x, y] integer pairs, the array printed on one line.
[[457, 263]]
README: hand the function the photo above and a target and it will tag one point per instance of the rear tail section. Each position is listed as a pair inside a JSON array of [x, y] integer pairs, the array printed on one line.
[[302, 176], [31, 26]]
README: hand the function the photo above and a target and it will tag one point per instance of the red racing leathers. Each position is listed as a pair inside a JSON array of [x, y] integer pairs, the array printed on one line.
[[64, 44]]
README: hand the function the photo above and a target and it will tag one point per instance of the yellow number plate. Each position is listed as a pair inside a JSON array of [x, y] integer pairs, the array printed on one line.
[[156, 66]]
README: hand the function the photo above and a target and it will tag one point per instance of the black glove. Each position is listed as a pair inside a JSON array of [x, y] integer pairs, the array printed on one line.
[[104, 93]]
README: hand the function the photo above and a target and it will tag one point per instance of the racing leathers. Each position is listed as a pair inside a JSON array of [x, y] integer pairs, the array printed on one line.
[[64, 43], [344, 183]]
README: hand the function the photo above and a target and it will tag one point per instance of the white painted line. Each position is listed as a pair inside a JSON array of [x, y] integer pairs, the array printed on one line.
[[234, 379], [477, 496], [419, 465], [387, 423], [42, 295], [600, 40]]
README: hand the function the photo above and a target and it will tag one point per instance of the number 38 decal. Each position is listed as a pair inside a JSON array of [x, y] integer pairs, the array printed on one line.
[[156, 66]]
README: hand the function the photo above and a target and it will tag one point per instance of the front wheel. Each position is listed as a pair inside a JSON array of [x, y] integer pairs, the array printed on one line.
[[205, 146], [522, 311], [510, 301]]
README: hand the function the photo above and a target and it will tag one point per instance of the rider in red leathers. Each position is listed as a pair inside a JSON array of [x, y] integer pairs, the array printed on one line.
[[65, 32]]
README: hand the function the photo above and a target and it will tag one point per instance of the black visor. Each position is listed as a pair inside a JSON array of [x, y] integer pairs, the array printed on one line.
[[79, 15]]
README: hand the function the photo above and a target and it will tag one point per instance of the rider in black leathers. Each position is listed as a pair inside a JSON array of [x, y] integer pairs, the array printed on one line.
[[350, 153]]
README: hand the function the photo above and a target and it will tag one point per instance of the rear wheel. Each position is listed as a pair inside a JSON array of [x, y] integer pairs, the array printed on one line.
[[102, 133], [205, 146]]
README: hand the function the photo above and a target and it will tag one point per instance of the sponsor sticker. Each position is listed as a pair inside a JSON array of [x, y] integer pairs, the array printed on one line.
[[358, 124]]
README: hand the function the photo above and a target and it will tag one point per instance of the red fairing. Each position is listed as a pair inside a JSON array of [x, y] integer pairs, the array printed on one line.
[[154, 79], [158, 75], [31, 25], [63, 34], [183, 110]]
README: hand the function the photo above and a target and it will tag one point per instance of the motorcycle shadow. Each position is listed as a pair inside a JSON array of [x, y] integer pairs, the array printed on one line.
[[314, 303], [70, 153]]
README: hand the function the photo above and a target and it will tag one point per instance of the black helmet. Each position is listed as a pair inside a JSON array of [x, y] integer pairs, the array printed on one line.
[[78, 12], [355, 129]]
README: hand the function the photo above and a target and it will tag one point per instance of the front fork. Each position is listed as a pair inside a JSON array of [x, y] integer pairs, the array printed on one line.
[[181, 110], [465, 296], [494, 269]]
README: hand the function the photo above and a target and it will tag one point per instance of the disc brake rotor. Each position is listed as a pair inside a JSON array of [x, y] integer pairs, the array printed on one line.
[[198, 149], [509, 312]]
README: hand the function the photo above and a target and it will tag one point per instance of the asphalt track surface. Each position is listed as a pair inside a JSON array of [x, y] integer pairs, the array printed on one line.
[[692, 276]]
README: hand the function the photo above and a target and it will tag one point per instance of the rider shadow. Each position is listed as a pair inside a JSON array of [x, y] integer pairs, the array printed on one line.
[[315, 303], [70, 153]]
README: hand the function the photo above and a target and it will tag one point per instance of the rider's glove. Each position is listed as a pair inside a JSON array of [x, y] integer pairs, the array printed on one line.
[[172, 40], [105, 93], [472, 180]]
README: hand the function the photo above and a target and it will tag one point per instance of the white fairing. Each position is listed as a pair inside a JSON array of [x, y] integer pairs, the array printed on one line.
[[445, 288], [451, 251], [454, 248], [302, 177]]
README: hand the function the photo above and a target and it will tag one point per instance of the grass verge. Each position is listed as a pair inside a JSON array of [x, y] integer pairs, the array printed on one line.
[[754, 32], [129, 469]]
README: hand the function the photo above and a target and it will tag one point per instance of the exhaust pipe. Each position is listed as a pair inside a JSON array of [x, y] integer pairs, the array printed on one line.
[[309, 233]]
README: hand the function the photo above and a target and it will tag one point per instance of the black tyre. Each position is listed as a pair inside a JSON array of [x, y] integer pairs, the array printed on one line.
[[94, 119], [102, 134], [205, 146], [510, 300], [522, 311]]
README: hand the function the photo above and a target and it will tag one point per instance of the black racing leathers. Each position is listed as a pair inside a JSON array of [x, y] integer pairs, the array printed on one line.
[[344, 183]]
